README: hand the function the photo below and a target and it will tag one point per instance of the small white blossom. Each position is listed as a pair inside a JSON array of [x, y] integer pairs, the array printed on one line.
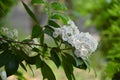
[[15, 33], [83, 53], [56, 32]]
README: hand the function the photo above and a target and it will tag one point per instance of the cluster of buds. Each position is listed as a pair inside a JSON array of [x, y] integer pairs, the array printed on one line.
[[13, 34]]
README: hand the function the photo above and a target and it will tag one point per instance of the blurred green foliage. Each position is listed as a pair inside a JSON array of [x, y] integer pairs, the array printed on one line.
[[105, 15], [5, 6]]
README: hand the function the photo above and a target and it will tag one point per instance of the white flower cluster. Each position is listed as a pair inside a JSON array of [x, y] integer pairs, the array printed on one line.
[[84, 43], [9, 33]]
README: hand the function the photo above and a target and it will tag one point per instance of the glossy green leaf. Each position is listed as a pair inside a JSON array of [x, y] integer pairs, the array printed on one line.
[[48, 30], [80, 63], [4, 57], [53, 24], [47, 72], [68, 68], [12, 65], [54, 57], [20, 54], [37, 1], [70, 59], [58, 6], [36, 31], [32, 60], [62, 17], [30, 12]]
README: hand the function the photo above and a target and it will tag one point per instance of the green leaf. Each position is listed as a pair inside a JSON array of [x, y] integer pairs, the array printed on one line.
[[32, 60], [20, 75], [47, 72], [20, 54], [38, 63], [23, 66], [70, 59], [80, 63], [31, 69], [4, 46], [30, 12], [37, 1], [58, 6], [36, 31], [54, 57], [53, 23], [12, 65], [4, 57], [35, 49], [45, 48], [68, 68], [62, 17], [48, 30], [42, 38]]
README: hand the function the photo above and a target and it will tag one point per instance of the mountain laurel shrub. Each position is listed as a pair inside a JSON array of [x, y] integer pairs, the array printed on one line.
[[72, 48]]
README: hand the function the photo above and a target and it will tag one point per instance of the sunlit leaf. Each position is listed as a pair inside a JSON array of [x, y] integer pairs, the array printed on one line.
[[23, 66], [62, 17], [58, 6], [47, 72]]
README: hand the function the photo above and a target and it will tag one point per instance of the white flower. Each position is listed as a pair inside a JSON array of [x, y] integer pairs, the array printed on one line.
[[88, 41], [67, 32], [84, 43], [74, 27], [83, 53]]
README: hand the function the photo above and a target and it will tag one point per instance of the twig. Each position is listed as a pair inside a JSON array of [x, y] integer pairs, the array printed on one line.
[[28, 43]]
